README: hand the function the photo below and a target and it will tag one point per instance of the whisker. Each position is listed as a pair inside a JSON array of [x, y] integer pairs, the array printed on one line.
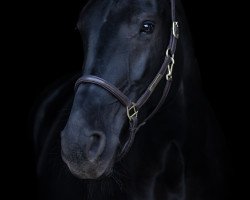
[[117, 181]]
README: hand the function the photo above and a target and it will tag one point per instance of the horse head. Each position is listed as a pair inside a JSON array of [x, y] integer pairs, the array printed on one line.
[[125, 43]]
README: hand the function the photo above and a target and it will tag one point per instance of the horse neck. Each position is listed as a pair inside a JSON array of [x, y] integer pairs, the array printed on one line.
[[172, 130], [185, 104], [186, 100], [187, 115]]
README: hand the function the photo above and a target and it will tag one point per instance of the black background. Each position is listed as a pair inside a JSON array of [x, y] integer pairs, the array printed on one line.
[[45, 46]]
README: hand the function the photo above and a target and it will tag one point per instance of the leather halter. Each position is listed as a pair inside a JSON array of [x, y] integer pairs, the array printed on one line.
[[132, 107]]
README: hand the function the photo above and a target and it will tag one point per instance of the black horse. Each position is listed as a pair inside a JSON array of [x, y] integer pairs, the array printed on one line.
[[79, 136]]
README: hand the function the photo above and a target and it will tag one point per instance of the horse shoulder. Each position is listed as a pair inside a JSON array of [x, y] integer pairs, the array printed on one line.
[[170, 181]]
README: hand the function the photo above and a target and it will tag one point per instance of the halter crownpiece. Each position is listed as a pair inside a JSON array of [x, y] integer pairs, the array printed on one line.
[[133, 108]]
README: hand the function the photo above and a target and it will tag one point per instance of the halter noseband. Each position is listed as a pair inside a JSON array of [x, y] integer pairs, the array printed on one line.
[[132, 107]]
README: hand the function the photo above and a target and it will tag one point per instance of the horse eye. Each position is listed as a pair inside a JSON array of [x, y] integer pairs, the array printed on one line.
[[147, 27]]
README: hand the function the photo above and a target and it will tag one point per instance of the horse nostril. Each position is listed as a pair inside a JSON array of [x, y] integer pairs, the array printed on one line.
[[95, 143], [95, 146]]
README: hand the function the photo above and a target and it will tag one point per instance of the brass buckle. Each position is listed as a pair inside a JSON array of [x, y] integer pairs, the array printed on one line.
[[132, 112], [176, 29]]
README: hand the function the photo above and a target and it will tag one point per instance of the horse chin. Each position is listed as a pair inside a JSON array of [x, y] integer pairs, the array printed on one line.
[[90, 170]]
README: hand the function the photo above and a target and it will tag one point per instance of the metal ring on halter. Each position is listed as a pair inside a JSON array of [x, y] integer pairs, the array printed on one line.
[[168, 53], [132, 111]]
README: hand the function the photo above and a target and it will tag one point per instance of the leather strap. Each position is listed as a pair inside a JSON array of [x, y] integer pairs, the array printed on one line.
[[134, 107], [104, 84]]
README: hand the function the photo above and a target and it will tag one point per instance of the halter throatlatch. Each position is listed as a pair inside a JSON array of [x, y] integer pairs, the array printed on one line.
[[132, 107]]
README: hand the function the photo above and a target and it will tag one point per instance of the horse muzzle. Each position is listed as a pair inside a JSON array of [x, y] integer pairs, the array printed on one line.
[[89, 159]]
